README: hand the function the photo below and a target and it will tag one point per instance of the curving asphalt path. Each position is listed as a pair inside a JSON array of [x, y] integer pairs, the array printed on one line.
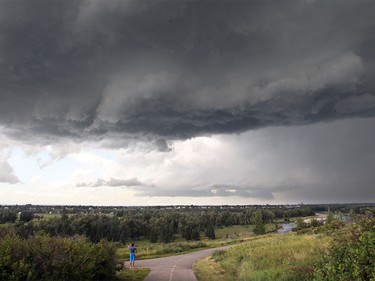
[[175, 268]]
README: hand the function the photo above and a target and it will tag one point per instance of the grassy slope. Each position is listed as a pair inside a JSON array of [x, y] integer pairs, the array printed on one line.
[[269, 257]]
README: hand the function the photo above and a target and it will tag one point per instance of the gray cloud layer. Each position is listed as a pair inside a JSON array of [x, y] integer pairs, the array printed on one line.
[[178, 69], [112, 182], [216, 190]]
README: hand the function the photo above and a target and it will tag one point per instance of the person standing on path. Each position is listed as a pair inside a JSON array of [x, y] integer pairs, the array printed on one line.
[[132, 251]]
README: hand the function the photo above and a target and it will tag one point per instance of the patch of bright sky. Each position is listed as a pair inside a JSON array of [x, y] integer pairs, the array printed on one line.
[[26, 167], [41, 166]]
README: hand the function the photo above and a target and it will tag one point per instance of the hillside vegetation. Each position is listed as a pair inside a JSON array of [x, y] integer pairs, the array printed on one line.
[[41, 257], [269, 257], [89, 243], [337, 250]]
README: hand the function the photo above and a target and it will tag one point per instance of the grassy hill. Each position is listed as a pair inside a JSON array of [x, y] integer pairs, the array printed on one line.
[[268, 257], [337, 250]]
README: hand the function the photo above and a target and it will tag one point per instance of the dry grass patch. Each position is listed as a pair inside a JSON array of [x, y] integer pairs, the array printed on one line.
[[209, 269]]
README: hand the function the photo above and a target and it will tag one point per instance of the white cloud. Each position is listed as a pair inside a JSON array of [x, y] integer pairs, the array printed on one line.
[[6, 173]]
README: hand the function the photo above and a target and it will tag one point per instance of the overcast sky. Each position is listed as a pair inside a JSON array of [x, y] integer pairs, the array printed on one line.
[[187, 102]]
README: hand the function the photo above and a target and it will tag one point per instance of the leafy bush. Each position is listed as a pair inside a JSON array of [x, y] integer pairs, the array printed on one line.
[[351, 255], [8, 216], [42, 257]]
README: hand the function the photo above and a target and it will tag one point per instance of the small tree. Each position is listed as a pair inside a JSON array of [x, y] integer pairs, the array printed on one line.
[[26, 216], [300, 224], [210, 231], [8, 216], [259, 227], [330, 217]]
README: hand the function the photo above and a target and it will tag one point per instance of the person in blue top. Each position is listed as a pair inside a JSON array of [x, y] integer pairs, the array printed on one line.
[[132, 250]]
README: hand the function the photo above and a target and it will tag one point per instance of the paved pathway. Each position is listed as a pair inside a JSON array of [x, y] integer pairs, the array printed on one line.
[[175, 268]]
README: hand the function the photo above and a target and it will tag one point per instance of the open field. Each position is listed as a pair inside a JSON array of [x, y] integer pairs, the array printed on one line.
[[240, 231], [47, 216]]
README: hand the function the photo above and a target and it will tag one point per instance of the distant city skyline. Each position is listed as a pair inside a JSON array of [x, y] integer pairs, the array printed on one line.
[[129, 103]]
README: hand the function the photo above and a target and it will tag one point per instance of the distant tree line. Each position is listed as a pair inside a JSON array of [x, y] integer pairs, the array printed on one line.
[[157, 224], [154, 224]]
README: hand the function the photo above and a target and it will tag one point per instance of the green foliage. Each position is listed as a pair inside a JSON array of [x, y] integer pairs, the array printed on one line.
[[181, 247], [157, 224], [8, 216], [191, 231], [210, 231], [259, 227], [26, 216], [42, 257], [300, 224], [351, 255], [330, 217]]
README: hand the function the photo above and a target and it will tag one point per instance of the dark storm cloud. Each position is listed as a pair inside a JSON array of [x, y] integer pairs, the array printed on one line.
[[112, 182], [324, 162], [162, 145], [178, 69]]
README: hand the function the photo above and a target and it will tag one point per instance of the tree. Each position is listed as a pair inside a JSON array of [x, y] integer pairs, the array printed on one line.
[[259, 227], [301, 224], [8, 216], [153, 236], [330, 217], [210, 231], [26, 216]]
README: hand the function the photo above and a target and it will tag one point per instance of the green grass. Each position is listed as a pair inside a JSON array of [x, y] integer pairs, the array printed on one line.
[[268, 257], [136, 274], [225, 236], [234, 232], [207, 269], [45, 216], [240, 231]]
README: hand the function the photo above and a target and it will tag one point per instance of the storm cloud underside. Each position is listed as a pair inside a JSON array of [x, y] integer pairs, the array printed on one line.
[[114, 73], [179, 69]]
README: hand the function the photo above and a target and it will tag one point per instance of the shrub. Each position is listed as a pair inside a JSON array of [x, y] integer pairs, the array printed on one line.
[[41, 257], [351, 255]]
